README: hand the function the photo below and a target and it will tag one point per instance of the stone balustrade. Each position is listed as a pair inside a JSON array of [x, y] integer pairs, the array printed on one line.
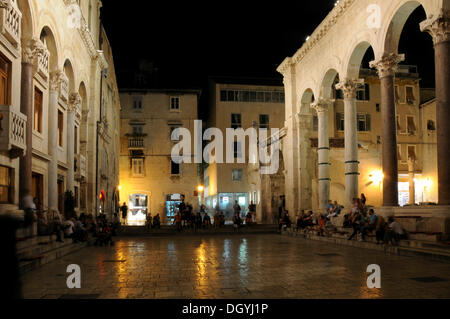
[[135, 142], [11, 22], [43, 63], [12, 131]]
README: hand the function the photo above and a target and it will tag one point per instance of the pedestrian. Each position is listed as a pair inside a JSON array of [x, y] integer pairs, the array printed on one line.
[[124, 210], [30, 217], [157, 221], [380, 231], [55, 222], [252, 210], [237, 222], [149, 221], [178, 221], [237, 208]]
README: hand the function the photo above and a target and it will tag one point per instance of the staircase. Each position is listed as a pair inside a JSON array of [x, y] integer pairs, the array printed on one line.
[[41, 250], [171, 230], [419, 244]]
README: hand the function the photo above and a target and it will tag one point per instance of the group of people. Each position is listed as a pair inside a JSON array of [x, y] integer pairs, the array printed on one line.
[[365, 221]]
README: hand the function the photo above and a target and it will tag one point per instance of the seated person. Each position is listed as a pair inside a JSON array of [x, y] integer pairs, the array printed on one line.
[[394, 232], [68, 228]]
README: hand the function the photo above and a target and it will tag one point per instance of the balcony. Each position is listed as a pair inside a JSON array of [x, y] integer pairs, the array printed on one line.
[[12, 131], [136, 143], [10, 22], [80, 167], [43, 64]]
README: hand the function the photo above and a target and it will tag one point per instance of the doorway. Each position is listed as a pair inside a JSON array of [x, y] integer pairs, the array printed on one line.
[[138, 209]]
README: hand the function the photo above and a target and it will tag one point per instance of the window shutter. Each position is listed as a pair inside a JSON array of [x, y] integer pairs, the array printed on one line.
[[368, 128], [367, 88]]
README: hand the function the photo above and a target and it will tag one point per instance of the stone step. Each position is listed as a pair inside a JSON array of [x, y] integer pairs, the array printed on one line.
[[58, 251], [30, 242], [405, 247]]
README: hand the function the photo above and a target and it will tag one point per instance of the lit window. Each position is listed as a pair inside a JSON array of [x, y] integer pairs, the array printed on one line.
[[137, 167], [237, 175]]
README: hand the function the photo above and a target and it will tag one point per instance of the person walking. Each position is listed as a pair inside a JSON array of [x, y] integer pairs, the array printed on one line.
[[237, 222], [124, 210]]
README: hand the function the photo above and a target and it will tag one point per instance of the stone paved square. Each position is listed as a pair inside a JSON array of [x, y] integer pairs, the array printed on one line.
[[239, 266]]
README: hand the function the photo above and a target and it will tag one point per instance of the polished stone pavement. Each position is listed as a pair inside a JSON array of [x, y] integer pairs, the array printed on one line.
[[236, 266]]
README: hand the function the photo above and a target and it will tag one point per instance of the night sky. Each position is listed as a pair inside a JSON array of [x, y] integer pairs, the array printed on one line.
[[188, 41]]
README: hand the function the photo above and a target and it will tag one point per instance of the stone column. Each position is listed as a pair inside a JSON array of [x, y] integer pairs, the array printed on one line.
[[323, 150], [412, 186], [439, 28], [305, 127], [387, 67], [73, 107], [55, 87], [349, 88], [30, 52]]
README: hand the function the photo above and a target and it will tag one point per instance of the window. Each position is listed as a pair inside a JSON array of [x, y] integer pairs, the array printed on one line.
[[363, 93], [264, 121], [174, 103], [399, 148], [340, 121], [137, 167], [237, 175], [174, 168], [37, 121], [378, 139], [378, 107], [431, 126], [6, 187], [237, 150], [137, 129], [173, 128], [236, 121], [75, 142], [411, 125], [363, 122], [410, 98], [60, 128], [411, 152], [137, 102], [399, 95], [399, 127], [5, 67]]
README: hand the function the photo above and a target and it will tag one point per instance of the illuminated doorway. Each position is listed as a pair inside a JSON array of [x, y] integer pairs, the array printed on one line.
[[138, 208]]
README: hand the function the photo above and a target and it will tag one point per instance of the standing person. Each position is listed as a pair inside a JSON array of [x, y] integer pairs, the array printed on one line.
[[157, 221], [55, 222], [381, 226], [30, 218], [9, 267], [124, 210], [178, 221], [252, 210], [149, 221], [237, 208], [236, 222]]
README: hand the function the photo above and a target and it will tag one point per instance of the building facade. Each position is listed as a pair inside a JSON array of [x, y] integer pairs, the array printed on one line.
[[151, 182], [309, 78], [55, 57], [234, 104]]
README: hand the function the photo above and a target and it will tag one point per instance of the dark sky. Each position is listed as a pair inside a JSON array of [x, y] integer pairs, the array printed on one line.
[[187, 41]]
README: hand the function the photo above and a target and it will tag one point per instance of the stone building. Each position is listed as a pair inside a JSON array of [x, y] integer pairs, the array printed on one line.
[[337, 47], [151, 183], [240, 103], [57, 69]]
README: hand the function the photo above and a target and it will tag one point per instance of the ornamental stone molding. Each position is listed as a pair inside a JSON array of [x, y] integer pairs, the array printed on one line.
[[74, 104], [31, 50], [349, 87], [322, 106], [56, 79], [438, 27], [388, 65]]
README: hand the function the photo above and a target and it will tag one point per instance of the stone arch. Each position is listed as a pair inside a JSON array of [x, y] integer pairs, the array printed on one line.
[[355, 59], [395, 24], [47, 38], [68, 70], [305, 101], [27, 27], [327, 86]]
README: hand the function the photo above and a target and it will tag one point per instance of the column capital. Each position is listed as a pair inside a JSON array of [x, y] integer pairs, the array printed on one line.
[[6, 4], [388, 64], [74, 104], [31, 50], [349, 87], [438, 27], [57, 78], [322, 106]]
